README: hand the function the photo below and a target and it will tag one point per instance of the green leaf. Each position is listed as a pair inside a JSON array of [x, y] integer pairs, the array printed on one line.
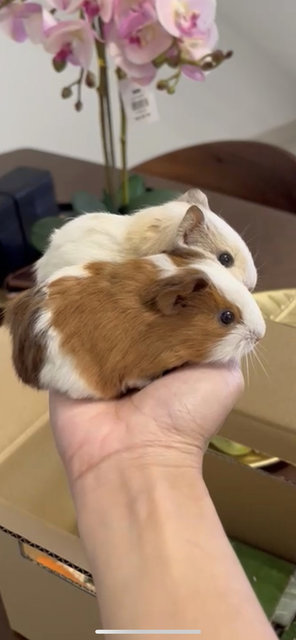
[[42, 230], [136, 188], [152, 198], [268, 574], [290, 634], [83, 202]]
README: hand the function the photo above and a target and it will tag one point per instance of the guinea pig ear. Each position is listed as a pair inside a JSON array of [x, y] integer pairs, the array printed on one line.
[[195, 196], [170, 295], [189, 227]]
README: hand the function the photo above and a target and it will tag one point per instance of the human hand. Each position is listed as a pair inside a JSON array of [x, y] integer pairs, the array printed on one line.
[[145, 516], [179, 413]]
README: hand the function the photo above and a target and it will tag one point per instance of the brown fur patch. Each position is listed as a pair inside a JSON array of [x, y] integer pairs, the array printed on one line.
[[28, 352], [111, 325], [183, 257]]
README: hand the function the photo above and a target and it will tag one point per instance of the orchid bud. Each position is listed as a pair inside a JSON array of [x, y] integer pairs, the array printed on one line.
[[78, 105], [173, 62], [90, 80], [66, 92], [58, 65], [161, 85]]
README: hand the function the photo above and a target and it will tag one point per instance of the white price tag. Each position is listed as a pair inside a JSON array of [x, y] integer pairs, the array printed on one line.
[[139, 102]]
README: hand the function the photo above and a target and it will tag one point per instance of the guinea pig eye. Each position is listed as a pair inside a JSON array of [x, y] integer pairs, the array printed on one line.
[[227, 317], [226, 259]]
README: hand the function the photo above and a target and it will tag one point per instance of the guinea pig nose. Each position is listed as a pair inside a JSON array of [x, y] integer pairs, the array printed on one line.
[[258, 334], [249, 285]]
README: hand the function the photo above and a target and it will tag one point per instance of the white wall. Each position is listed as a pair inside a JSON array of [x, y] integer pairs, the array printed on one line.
[[249, 96]]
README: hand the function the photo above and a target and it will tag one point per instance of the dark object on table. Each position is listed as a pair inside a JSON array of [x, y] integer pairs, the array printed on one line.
[[12, 246], [26, 195], [250, 170]]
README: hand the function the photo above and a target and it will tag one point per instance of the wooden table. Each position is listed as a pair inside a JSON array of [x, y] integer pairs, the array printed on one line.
[[270, 233]]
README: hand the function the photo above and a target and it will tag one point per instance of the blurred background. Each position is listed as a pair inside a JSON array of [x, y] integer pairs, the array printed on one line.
[[252, 96]]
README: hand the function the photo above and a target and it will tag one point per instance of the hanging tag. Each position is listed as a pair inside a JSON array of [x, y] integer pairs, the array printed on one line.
[[139, 102]]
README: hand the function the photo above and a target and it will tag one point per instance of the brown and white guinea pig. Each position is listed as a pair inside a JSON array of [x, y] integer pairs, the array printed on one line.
[[179, 224], [97, 330]]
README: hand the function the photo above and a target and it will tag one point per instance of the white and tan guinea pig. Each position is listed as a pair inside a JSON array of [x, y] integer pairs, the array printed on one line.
[[97, 330], [179, 224]]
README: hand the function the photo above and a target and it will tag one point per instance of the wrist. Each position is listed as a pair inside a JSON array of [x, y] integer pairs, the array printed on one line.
[[127, 486], [133, 519], [140, 469]]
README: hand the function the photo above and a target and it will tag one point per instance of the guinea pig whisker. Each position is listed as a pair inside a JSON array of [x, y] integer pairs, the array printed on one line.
[[260, 362], [255, 255], [252, 360], [260, 266], [261, 348], [247, 369], [263, 356], [245, 230]]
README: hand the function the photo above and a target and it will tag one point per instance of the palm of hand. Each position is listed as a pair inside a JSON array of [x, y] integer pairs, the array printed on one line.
[[183, 409]]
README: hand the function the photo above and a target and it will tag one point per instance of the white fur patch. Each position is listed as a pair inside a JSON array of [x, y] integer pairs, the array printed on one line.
[[87, 238], [76, 271], [234, 241], [59, 373], [233, 346], [234, 291], [42, 323], [164, 263]]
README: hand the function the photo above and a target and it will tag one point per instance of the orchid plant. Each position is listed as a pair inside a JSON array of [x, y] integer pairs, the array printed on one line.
[[139, 36]]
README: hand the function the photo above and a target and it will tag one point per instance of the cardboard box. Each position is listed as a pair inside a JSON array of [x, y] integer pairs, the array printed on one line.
[[265, 416], [37, 515]]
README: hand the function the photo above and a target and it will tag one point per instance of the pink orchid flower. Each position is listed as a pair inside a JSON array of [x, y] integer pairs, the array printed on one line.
[[139, 33], [23, 21], [196, 49], [142, 74], [186, 18], [131, 16], [71, 41], [92, 8]]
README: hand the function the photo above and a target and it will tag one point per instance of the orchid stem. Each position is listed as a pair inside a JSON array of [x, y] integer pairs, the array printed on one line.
[[79, 83], [123, 145], [110, 126], [102, 91]]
